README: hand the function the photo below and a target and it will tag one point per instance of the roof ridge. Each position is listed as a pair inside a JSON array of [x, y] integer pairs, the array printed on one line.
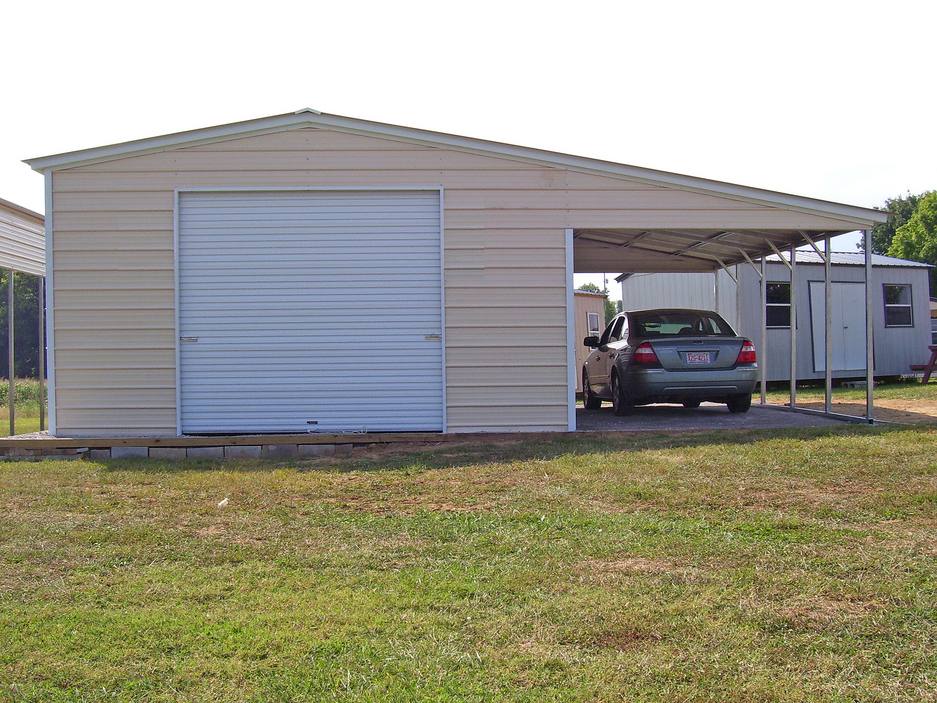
[[854, 216]]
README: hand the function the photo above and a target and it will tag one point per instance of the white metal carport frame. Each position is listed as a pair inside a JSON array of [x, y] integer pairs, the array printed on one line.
[[684, 250]]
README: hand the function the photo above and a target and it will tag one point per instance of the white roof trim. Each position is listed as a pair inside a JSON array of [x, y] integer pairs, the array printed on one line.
[[854, 217]]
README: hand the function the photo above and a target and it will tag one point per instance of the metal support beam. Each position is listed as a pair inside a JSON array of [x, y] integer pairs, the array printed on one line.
[[725, 268], [10, 368], [702, 243], [571, 370], [793, 266], [815, 247], [638, 238], [738, 301], [752, 263], [42, 354], [762, 367], [778, 252], [717, 305], [869, 340], [828, 328]]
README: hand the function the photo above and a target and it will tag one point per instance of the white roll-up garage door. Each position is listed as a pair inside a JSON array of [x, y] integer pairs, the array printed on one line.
[[310, 311]]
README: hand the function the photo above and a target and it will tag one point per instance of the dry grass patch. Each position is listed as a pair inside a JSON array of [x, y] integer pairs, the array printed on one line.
[[784, 566]]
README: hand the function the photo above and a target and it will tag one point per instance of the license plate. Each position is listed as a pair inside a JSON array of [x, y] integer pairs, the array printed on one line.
[[697, 357]]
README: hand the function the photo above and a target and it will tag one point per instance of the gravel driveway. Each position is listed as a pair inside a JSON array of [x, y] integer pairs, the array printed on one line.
[[708, 416]]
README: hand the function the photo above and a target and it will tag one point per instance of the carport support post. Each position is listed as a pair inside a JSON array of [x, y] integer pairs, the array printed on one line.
[[793, 328], [10, 372], [571, 371], [738, 300], [42, 354], [828, 327], [869, 351], [762, 367]]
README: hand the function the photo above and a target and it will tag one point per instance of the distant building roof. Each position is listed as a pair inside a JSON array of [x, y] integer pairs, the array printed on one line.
[[22, 239], [848, 258]]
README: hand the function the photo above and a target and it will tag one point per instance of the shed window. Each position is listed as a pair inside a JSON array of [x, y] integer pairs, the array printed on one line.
[[593, 320], [898, 305], [778, 304]]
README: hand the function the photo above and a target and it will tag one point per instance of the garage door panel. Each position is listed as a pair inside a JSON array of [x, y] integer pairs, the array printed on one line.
[[310, 311]]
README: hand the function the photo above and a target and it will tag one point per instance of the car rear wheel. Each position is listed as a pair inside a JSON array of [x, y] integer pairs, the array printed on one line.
[[740, 403], [621, 404], [589, 399], [691, 403]]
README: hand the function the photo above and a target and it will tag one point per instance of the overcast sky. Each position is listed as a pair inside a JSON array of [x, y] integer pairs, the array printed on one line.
[[832, 100]]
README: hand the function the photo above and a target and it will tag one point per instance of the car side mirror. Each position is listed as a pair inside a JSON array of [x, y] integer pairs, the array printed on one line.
[[591, 342]]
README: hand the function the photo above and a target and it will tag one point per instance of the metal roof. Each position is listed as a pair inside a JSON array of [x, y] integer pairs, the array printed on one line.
[[22, 239], [725, 241], [848, 258]]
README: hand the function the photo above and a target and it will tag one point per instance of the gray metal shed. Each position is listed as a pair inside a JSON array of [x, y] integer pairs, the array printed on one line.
[[507, 229], [900, 312]]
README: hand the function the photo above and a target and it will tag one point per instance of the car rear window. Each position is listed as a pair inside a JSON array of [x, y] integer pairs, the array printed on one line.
[[677, 323]]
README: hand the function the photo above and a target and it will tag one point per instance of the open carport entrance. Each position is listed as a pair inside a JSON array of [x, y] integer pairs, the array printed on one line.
[[689, 250]]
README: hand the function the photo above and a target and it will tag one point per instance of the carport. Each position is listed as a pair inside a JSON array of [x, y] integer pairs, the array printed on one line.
[[746, 238]]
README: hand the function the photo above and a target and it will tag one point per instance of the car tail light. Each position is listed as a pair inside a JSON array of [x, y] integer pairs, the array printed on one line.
[[747, 353], [644, 355]]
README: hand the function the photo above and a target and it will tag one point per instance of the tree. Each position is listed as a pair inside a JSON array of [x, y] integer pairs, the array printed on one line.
[[591, 288], [916, 240], [884, 232], [612, 308], [25, 324]]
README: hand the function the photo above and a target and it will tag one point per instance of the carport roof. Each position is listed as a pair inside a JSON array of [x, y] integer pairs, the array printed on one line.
[[719, 241], [22, 239]]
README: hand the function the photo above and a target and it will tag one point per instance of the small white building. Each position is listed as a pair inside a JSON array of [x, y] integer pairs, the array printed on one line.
[[901, 317], [590, 320]]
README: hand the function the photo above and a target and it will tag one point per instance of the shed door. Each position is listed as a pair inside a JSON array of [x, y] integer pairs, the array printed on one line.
[[848, 321], [309, 311]]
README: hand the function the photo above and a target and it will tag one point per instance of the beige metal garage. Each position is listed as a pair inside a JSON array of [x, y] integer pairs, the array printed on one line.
[[514, 224]]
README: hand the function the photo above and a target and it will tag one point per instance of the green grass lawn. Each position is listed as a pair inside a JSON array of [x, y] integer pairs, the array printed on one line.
[[784, 566], [26, 406], [894, 390]]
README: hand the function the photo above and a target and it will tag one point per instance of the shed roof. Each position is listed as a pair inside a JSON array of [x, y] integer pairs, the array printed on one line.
[[22, 239], [849, 258], [608, 249]]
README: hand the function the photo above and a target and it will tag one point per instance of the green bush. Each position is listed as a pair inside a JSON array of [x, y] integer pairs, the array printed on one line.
[[25, 391]]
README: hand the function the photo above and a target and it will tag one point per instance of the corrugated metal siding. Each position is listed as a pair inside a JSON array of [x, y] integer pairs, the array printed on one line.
[[504, 265], [310, 311], [22, 243], [644, 291], [895, 348]]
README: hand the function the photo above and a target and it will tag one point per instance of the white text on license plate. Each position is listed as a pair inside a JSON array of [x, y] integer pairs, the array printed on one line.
[[697, 357]]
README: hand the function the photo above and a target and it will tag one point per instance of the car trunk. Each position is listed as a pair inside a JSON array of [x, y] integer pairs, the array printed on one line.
[[698, 352]]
